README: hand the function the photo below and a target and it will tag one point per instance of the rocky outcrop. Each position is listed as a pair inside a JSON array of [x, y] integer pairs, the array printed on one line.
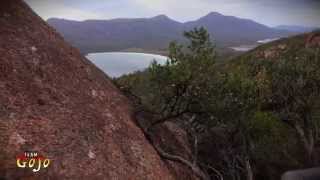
[[313, 40], [306, 174], [55, 102], [287, 47], [174, 140]]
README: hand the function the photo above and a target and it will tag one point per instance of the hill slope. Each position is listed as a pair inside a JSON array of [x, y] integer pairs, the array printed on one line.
[[155, 33], [299, 29], [286, 47], [254, 68], [55, 102], [297, 48]]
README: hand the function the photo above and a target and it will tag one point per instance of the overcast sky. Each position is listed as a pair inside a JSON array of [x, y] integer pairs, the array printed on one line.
[[269, 12]]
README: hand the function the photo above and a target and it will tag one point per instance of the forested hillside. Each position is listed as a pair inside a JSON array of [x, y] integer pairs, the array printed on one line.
[[253, 117]]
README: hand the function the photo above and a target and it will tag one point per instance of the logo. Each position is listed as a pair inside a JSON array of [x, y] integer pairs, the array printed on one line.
[[32, 160]]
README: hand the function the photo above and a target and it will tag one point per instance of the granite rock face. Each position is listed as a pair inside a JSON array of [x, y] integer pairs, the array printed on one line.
[[55, 102], [306, 174], [313, 39]]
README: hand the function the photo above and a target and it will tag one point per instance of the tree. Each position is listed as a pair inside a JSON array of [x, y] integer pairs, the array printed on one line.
[[181, 88], [183, 85], [295, 96], [239, 106], [235, 106]]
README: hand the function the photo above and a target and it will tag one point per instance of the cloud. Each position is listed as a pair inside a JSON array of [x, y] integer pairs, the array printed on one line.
[[47, 9], [269, 12]]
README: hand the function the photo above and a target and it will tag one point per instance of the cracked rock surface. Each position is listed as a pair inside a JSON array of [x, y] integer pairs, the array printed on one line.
[[55, 102]]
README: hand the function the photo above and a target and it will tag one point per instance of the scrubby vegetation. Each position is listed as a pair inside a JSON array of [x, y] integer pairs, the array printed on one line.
[[251, 118]]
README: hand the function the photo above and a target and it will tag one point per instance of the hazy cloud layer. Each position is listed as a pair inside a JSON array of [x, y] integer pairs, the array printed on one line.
[[269, 12]]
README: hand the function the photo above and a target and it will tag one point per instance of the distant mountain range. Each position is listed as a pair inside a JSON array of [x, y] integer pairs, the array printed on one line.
[[299, 29], [154, 34]]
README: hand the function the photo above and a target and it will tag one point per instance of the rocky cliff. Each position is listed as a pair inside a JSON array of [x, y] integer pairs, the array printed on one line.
[[55, 102]]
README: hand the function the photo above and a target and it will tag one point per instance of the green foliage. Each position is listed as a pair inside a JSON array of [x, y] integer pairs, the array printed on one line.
[[268, 133], [289, 88], [184, 83], [296, 85], [265, 106]]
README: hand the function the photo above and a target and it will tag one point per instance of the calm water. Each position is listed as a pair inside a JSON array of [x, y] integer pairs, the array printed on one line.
[[244, 48], [267, 40], [116, 64]]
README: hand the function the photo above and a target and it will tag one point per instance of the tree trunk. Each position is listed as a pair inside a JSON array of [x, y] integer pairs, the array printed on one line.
[[249, 170], [308, 143], [194, 167], [311, 158]]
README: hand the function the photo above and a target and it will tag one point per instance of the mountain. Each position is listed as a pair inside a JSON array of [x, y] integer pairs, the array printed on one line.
[[155, 33], [294, 28], [117, 34], [55, 102], [231, 31]]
